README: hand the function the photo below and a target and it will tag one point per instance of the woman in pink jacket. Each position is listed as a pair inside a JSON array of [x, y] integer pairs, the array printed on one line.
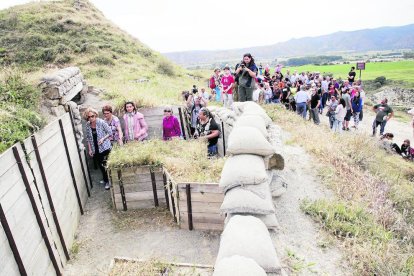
[[135, 126]]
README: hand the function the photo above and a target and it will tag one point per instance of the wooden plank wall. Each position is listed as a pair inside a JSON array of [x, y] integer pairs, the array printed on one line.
[[18, 209], [206, 199], [137, 187]]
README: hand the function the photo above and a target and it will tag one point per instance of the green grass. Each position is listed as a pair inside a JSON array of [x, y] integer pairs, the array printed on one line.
[[397, 71]]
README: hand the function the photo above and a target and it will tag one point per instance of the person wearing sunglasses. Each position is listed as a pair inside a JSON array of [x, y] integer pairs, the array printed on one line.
[[170, 125], [99, 145]]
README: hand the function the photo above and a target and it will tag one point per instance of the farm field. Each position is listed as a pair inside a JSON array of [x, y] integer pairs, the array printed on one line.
[[397, 71]]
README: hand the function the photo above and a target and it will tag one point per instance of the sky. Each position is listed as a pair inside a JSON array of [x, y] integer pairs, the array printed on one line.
[[182, 25]]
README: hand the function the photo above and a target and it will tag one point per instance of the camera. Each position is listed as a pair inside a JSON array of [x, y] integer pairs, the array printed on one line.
[[242, 65], [195, 90]]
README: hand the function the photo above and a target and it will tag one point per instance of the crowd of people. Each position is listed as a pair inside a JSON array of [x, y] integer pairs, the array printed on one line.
[[310, 94]]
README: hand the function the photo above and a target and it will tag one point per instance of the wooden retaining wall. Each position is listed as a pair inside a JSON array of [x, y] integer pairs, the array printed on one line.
[[44, 186], [192, 205], [137, 187]]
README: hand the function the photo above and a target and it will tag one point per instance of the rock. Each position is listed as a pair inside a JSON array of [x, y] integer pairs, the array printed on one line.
[[396, 96], [57, 110], [51, 103]]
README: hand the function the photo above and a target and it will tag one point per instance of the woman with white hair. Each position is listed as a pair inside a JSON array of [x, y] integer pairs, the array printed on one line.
[[170, 125]]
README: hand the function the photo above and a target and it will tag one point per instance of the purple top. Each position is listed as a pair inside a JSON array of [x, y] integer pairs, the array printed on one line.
[[170, 128], [113, 124]]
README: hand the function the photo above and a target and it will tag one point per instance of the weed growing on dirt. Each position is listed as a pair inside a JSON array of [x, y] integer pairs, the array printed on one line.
[[374, 218], [298, 265], [187, 161]]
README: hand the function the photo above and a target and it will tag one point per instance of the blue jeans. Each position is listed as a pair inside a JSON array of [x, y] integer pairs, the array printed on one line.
[[218, 93], [212, 150], [301, 109], [375, 124]]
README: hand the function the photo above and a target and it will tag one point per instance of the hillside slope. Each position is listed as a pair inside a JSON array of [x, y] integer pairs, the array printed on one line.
[[41, 37], [385, 38]]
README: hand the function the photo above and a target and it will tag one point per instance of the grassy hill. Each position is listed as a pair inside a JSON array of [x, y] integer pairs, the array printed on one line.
[[38, 38]]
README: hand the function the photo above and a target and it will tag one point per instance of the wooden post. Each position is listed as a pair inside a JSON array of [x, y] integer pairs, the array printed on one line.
[[224, 139], [172, 201], [164, 178], [36, 211], [49, 197], [182, 123], [154, 187], [121, 188], [77, 149], [189, 208], [87, 167], [70, 166], [12, 243]]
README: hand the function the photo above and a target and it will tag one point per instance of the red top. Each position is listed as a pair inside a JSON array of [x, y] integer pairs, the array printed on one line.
[[226, 81]]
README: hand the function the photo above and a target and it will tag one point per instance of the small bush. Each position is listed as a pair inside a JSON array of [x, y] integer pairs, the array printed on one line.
[[102, 60], [14, 89], [166, 68], [63, 59], [381, 80], [48, 55]]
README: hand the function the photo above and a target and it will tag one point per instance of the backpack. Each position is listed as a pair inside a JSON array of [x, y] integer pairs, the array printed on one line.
[[212, 83]]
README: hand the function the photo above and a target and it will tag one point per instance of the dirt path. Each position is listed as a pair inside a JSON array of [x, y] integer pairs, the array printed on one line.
[[104, 233], [300, 244]]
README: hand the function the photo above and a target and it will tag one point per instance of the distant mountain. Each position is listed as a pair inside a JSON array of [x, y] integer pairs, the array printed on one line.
[[384, 38]]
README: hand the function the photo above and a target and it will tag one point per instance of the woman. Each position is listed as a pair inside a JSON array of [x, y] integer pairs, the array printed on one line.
[[246, 77], [170, 125], [135, 126], [115, 125], [97, 135], [340, 113], [356, 108], [194, 104]]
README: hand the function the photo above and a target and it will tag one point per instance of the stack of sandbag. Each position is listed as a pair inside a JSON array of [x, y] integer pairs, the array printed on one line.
[[245, 179], [63, 85], [246, 249], [224, 115]]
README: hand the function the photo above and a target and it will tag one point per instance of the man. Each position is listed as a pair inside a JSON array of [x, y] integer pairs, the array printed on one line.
[[314, 106], [384, 114], [301, 99], [294, 77], [325, 88], [351, 75], [208, 129], [331, 110], [347, 98]]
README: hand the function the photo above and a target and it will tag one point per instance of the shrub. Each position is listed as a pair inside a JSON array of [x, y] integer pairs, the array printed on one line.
[[381, 80], [48, 55], [14, 89], [102, 60], [166, 68]]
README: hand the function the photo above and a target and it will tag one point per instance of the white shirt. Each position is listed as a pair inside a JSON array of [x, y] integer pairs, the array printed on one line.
[[324, 86], [362, 96], [302, 97]]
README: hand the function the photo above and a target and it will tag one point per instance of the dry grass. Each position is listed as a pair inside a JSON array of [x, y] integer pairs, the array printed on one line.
[[375, 186], [151, 218], [154, 267], [187, 161]]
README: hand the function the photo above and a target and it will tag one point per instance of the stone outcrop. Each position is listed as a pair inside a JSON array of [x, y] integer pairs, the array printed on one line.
[[64, 91], [396, 96]]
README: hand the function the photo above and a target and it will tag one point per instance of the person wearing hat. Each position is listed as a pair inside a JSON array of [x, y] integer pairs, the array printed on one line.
[[227, 82], [384, 114]]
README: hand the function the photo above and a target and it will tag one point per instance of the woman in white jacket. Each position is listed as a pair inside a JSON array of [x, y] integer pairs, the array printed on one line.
[[340, 113]]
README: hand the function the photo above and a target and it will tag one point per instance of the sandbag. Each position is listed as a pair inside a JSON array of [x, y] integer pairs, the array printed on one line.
[[248, 140], [252, 121], [247, 236], [250, 199], [238, 107], [257, 110], [269, 220], [238, 265], [243, 169]]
